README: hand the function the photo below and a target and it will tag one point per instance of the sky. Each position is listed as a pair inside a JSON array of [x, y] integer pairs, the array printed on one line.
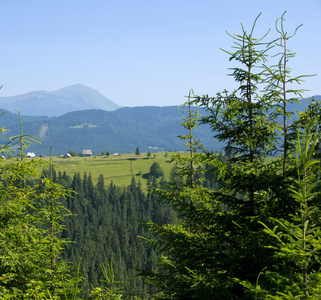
[[144, 52]]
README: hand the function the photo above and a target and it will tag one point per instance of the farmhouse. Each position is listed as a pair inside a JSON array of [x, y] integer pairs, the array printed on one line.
[[87, 153], [67, 155], [31, 154]]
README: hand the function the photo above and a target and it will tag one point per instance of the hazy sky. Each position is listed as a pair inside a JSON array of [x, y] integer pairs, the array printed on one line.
[[143, 52]]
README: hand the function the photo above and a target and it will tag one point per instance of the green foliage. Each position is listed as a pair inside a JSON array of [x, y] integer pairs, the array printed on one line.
[[219, 248], [156, 170], [110, 288], [104, 225], [244, 227], [30, 222], [297, 241], [137, 152]]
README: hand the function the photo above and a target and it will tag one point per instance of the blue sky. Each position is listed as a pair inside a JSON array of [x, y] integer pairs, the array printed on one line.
[[143, 52]]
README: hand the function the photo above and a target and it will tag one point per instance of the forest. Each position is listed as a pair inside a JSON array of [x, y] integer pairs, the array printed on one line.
[[231, 225], [119, 131]]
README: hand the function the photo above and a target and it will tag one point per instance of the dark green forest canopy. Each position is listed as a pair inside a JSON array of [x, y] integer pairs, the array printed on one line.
[[105, 225]]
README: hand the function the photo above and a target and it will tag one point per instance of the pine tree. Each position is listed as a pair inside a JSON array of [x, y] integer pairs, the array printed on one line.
[[137, 152], [296, 238], [30, 222], [219, 242]]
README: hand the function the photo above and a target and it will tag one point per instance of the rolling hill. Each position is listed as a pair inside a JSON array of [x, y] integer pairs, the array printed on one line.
[[122, 130], [149, 128]]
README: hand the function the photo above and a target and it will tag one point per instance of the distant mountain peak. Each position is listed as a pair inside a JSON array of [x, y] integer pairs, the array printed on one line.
[[75, 87], [56, 103]]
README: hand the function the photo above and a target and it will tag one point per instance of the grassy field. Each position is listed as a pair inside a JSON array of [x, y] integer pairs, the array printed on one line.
[[118, 169]]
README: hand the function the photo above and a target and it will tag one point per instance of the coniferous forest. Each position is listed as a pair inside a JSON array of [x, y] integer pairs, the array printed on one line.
[[240, 225], [105, 227]]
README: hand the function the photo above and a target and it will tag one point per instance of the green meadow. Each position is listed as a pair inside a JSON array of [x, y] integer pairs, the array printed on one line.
[[118, 169]]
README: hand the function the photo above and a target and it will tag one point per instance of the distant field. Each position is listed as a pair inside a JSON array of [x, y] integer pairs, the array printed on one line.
[[118, 169]]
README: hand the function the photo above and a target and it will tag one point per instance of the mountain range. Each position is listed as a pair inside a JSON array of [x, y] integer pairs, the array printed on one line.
[[149, 128], [57, 103], [105, 129]]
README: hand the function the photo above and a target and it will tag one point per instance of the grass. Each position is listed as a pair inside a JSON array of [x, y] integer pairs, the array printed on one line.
[[118, 169]]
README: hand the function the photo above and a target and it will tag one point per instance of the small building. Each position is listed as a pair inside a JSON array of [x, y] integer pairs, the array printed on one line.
[[116, 154], [67, 155], [31, 154], [87, 153], [42, 156]]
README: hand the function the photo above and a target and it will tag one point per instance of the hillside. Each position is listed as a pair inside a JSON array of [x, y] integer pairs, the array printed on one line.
[[149, 128], [116, 169], [57, 103]]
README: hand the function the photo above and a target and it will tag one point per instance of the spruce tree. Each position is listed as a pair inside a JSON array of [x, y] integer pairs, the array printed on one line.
[[220, 242], [31, 223], [296, 236]]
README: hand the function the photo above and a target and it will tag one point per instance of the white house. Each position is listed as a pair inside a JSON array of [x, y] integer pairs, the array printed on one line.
[[31, 154]]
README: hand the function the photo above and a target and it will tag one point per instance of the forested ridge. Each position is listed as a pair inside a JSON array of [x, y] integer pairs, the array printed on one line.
[[119, 131], [225, 226]]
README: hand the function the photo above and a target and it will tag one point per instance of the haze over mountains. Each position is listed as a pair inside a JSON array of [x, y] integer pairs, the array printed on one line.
[[77, 118], [57, 103]]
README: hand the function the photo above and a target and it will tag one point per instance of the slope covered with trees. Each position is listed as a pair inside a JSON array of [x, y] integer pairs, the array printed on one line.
[[119, 131], [105, 227]]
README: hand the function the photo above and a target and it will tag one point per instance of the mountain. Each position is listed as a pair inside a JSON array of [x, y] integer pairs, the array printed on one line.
[[122, 130], [57, 103], [304, 103]]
